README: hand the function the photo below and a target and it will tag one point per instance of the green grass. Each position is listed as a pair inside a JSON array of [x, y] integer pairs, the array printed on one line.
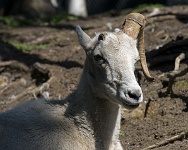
[[186, 35], [121, 133], [181, 84], [143, 6], [169, 95], [58, 39], [27, 47], [59, 18], [11, 22]]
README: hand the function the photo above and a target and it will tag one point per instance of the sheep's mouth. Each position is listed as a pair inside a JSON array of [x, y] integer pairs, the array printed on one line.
[[128, 102], [122, 98], [129, 105]]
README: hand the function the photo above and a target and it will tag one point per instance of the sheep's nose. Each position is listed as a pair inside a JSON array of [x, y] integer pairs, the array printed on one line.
[[135, 94]]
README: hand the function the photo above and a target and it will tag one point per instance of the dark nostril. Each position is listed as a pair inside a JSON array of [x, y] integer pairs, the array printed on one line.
[[134, 94]]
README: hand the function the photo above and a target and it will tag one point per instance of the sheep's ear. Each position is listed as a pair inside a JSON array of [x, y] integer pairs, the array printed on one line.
[[84, 39]]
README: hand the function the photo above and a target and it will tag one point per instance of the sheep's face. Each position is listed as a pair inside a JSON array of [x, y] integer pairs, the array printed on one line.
[[110, 61]]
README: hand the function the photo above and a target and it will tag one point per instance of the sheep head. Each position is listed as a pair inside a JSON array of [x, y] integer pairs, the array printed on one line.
[[110, 60]]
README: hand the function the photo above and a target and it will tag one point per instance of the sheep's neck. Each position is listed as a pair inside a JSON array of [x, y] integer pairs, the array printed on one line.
[[102, 116]]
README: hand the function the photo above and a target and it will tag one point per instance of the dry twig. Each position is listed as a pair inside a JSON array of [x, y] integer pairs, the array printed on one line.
[[7, 87], [14, 64], [147, 106], [162, 59], [167, 141], [176, 73], [28, 91], [31, 89], [168, 46], [161, 18], [177, 61]]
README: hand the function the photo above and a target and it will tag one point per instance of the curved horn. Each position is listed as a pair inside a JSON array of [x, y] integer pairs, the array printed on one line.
[[134, 27]]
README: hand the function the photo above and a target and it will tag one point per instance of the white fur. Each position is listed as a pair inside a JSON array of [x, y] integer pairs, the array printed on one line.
[[115, 144]]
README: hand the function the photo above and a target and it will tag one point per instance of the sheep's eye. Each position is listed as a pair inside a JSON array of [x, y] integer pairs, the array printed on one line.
[[98, 58], [101, 37]]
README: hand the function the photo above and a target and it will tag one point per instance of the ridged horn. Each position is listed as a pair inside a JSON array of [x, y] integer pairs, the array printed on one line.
[[133, 26]]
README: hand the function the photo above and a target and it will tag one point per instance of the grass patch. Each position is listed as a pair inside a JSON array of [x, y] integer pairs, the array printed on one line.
[[59, 18], [121, 133], [27, 47], [11, 22], [143, 6], [57, 40], [186, 35], [181, 84]]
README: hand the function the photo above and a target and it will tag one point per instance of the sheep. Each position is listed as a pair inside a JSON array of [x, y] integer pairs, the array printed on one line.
[[88, 119]]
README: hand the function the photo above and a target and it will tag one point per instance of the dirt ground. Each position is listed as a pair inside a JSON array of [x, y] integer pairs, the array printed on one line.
[[54, 70]]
